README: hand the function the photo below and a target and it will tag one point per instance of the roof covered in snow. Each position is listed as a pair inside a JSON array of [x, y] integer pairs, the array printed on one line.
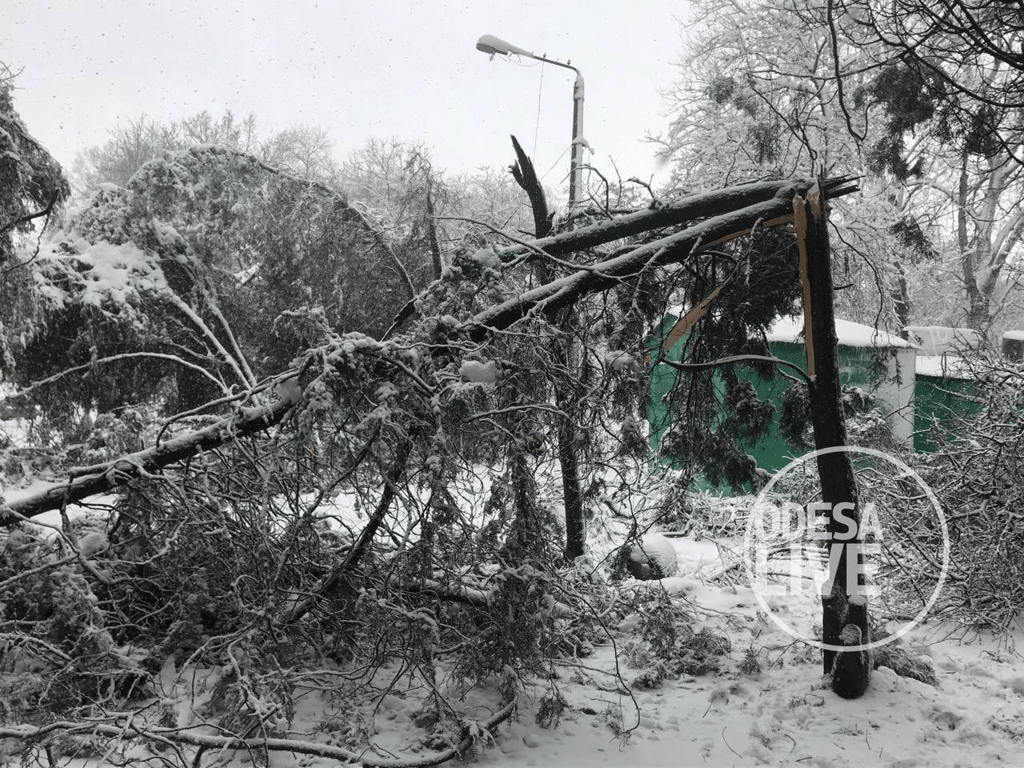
[[790, 329], [943, 339], [942, 367]]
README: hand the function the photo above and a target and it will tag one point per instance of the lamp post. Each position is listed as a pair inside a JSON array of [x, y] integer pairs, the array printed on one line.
[[492, 45]]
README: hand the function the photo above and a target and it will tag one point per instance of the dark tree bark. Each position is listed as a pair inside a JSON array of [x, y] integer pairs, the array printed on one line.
[[526, 177], [566, 395], [700, 207], [435, 246], [838, 484], [567, 400], [901, 300]]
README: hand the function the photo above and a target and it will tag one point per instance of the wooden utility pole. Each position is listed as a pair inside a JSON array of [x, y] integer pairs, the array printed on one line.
[[844, 617]]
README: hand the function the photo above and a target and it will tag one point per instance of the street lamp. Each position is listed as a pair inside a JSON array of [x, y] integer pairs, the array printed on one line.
[[492, 45]]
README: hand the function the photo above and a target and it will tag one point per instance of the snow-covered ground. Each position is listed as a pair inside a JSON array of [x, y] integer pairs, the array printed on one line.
[[777, 712], [782, 715]]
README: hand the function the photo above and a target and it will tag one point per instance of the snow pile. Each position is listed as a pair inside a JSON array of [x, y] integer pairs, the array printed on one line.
[[481, 373], [653, 558], [103, 272], [487, 258], [770, 705], [619, 360]]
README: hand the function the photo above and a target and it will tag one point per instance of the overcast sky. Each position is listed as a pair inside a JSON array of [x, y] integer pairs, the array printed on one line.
[[360, 69]]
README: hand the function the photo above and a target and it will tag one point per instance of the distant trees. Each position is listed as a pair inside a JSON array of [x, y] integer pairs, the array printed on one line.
[[758, 90], [964, 55], [948, 82], [304, 151], [923, 99]]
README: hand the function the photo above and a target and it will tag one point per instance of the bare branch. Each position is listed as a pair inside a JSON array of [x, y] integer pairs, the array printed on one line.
[[190, 737]]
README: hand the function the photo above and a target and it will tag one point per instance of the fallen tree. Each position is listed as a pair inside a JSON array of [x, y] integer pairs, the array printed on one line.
[[725, 215], [388, 398]]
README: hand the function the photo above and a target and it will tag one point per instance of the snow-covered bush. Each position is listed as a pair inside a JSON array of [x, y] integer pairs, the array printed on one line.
[[60, 654], [668, 646], [977, 476]]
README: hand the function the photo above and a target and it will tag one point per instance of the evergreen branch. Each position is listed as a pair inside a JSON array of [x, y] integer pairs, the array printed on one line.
[[692, 367]]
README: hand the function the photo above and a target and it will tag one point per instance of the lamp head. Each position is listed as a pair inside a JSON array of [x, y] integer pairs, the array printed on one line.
[[492, 45]]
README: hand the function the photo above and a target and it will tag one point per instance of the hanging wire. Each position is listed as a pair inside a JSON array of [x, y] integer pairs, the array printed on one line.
[[536, 125], [555, 164]]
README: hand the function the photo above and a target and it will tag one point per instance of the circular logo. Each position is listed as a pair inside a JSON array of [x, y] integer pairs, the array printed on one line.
[[791, 533]]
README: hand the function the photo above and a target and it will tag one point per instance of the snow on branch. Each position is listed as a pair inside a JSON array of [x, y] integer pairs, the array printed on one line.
[[691, 208], [772, 201], [103, 478]]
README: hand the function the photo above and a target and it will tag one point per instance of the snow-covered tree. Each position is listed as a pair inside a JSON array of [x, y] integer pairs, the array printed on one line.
[[923, 104], [32, 189], [32, 184], [759, 87], [208, 271], [947, 82]]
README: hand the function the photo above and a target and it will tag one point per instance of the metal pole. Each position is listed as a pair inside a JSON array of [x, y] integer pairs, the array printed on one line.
[[576, 169]]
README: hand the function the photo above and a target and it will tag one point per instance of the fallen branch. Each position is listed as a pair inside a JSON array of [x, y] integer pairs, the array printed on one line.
[[698, 207], [695, 207], [471, 730], [355, 554], [473, 596], [118, 472], [674, 248], [692, 367]]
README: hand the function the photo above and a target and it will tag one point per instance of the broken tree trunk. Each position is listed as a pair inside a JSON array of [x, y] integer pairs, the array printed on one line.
[[567, 352], [840, 611], [769, 210], [526, 177], [721, 206]]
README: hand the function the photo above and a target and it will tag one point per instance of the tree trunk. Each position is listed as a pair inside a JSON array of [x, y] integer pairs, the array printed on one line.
[[838, 485], [565, 396], [901, 300]]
